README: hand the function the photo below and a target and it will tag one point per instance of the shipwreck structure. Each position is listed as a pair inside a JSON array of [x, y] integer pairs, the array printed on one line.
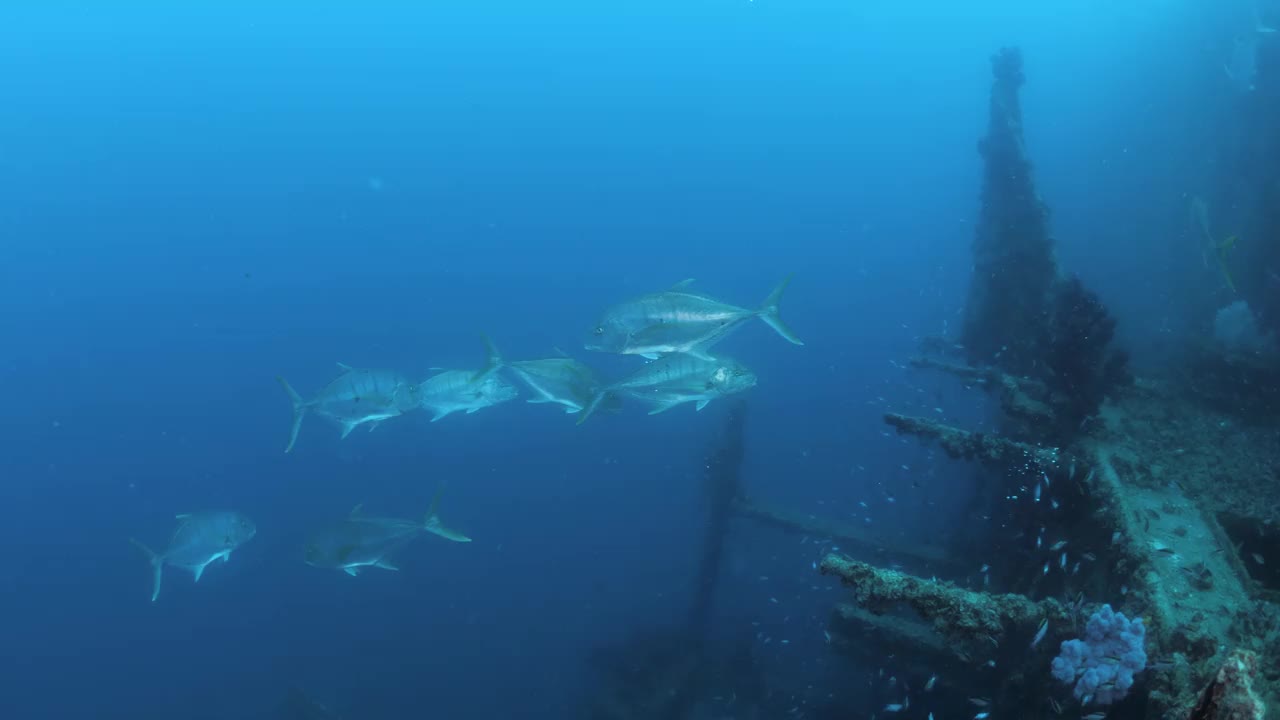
[[1155, 501], [1155, 496]]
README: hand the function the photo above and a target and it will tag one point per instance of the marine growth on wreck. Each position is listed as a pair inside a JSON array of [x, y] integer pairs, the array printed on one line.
[[1131, 568]]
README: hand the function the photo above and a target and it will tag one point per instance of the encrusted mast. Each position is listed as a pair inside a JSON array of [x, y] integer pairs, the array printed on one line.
[[1014, 266]]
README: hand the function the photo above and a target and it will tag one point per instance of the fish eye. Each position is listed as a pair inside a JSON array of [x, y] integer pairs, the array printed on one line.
[[599, 330]]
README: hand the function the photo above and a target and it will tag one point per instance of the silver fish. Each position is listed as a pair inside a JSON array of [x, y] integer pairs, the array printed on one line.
[[360, 541], [677, 379], [454, 390], [679, 321], [356, 397], [199, 539], [1040, 633], [559, 380]]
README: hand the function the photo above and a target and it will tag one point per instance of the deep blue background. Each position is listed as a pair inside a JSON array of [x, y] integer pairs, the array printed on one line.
[[197, 196]]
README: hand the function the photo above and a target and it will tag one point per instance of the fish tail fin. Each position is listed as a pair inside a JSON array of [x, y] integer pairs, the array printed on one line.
[[769, 313], [299, 411], [433, 525], [157, 564], [493, 360], [594, 405]]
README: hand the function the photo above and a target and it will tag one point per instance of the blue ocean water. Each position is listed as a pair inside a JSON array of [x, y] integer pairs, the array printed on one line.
[[197, 197]]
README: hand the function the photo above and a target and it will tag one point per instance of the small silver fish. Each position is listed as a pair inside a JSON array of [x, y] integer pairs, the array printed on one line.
[[1040, 633], [1046, 568], [980, 702], [893, 707], [1058, 546], [1062, 562], [1037, 492], [933, 680], [1259, 559]]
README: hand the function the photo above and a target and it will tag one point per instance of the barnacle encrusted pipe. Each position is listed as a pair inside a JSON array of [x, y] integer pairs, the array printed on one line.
[[954, 612]]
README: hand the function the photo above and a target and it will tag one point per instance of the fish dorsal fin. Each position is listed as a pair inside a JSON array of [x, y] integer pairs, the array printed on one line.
[[344, 366], [355, 511], [434, 509], [682, 284]]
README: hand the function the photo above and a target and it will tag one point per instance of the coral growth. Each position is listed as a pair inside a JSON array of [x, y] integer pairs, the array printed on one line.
[[1103, 664], [1083, 366], [1231, 696], [1236, 332], [1014, 267]]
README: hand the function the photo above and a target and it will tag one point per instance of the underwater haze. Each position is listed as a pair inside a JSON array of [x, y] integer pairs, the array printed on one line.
[[198, 197]]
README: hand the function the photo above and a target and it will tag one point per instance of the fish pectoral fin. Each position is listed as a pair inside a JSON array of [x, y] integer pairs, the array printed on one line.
[[572, 410], [702, 404], [471, 410], [650, 356], [439, 414], [663, 408], [346, 429], [386, 564], [182, 516], [198, 570], [344, 366], [538, 400], [226, 556], [351, 570]]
